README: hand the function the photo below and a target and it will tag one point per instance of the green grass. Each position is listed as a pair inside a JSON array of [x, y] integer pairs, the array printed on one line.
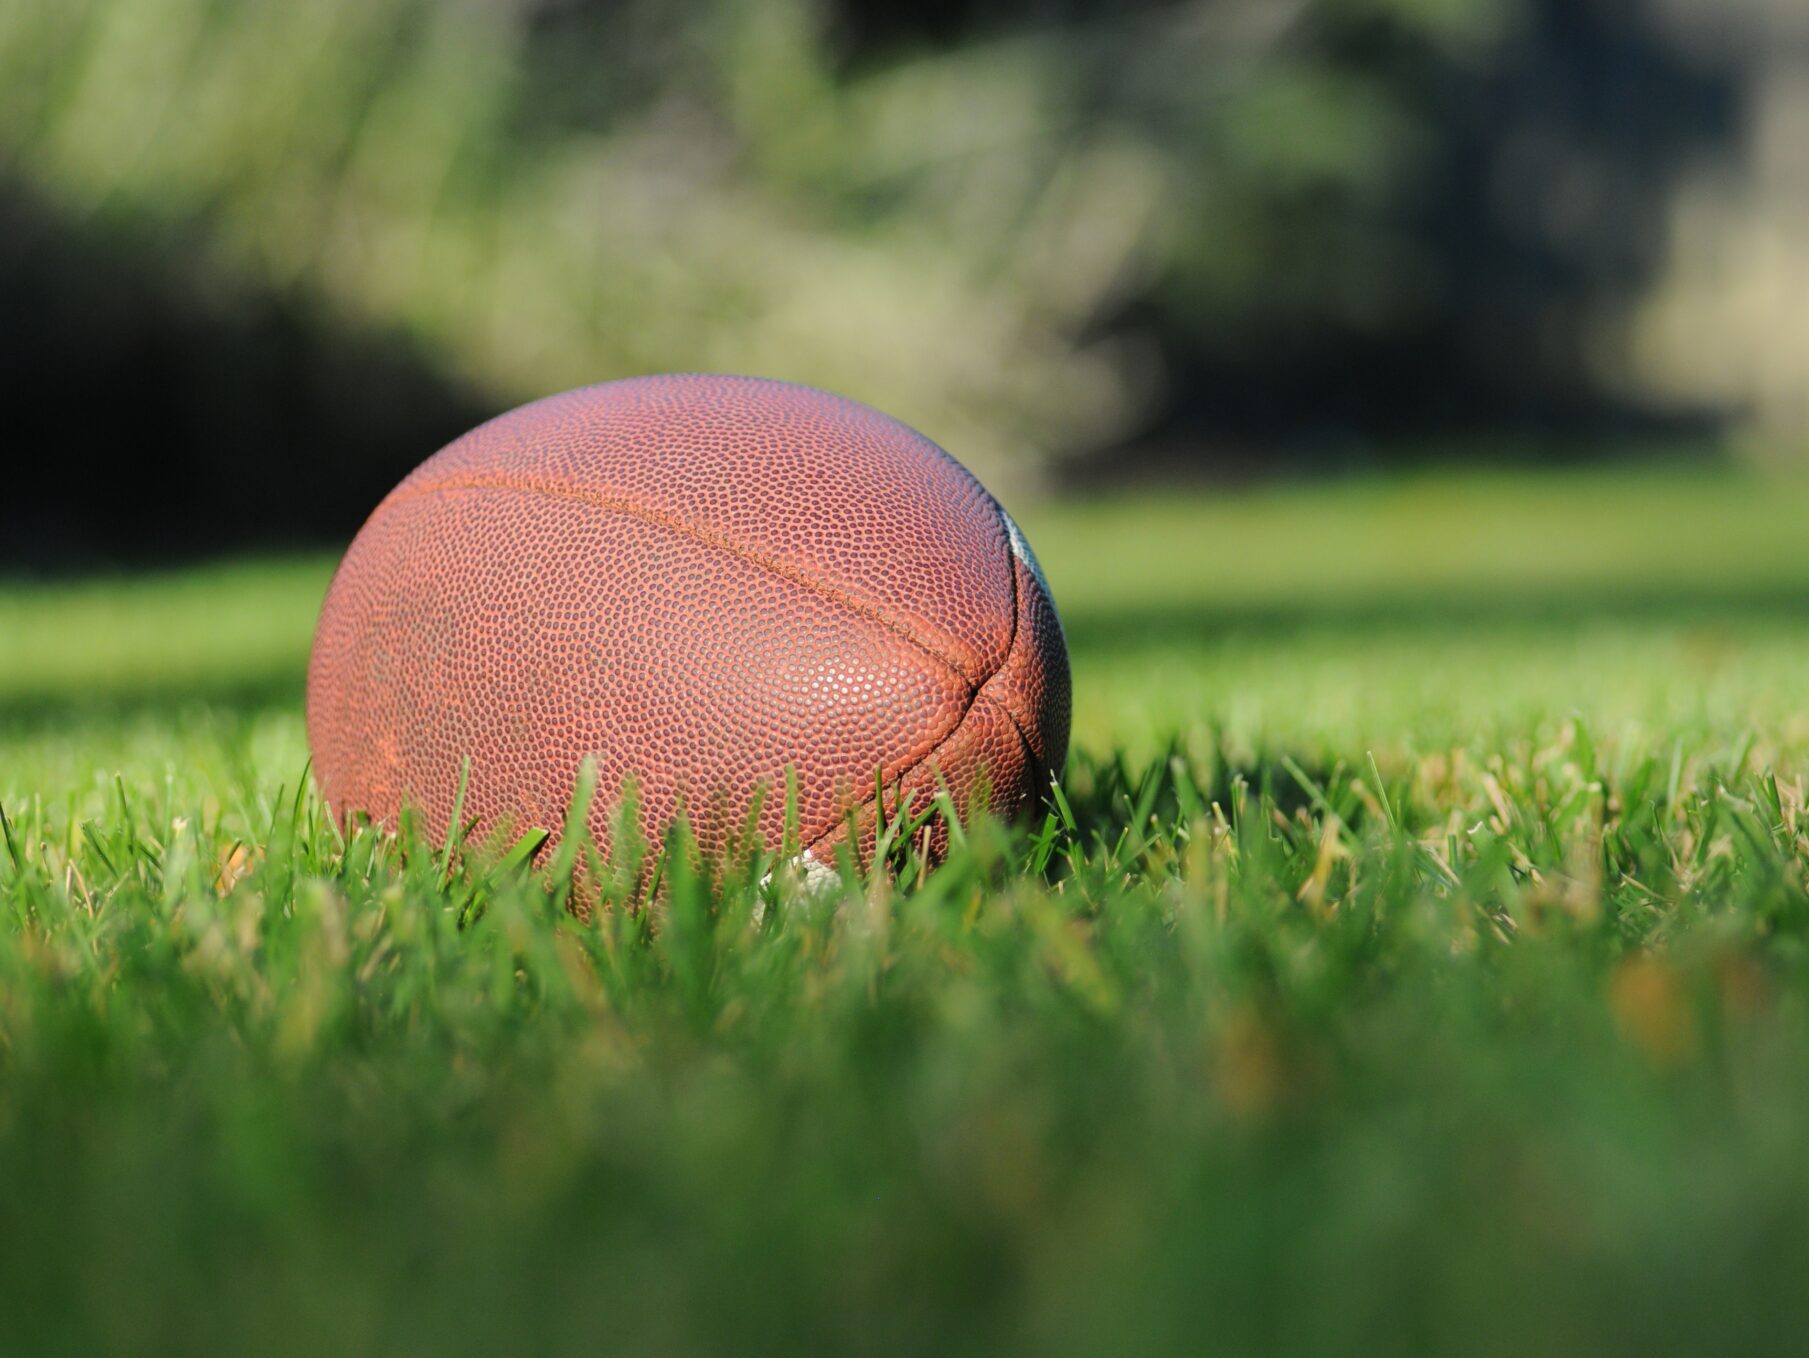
[[1419, 965]]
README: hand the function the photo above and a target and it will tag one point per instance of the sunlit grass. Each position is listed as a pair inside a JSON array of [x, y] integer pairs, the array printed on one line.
[[1410, 943], [1399, 612]]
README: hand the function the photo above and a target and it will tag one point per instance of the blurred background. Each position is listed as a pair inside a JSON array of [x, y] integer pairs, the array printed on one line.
[[257, 259], [1409, 402]]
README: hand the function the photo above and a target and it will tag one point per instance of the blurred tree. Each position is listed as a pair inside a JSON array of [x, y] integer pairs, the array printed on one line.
[[1725, 322], [453, 171], [1035, 228], [156, 409]]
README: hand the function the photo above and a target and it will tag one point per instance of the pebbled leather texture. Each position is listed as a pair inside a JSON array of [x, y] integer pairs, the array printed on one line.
[[699, 582]]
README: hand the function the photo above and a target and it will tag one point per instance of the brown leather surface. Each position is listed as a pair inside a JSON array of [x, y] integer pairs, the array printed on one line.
[[698, 581]]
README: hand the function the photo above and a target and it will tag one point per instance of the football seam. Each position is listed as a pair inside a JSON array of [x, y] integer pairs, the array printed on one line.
[[855, 808], [704, 537], [1007, 711], [974, 699]]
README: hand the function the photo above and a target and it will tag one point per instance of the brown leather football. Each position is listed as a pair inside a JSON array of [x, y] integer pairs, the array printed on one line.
[[700, 582]]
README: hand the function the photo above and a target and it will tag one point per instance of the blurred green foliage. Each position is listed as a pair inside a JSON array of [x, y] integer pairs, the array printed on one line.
[[543, 195]]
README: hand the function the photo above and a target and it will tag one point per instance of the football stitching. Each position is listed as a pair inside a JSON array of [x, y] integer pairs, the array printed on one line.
[[855, 808], [974, 699], [703, 536], [975, 693]]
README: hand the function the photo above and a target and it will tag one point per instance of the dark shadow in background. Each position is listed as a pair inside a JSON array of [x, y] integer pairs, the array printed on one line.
[[155, 413]]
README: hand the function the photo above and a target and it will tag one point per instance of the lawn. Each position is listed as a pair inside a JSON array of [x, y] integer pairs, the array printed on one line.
[[1416, 964]]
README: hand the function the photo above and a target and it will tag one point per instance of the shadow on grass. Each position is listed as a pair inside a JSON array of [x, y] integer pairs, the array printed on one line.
[[239, 693], [1559, 610], [1113, 799], [1553, 613]]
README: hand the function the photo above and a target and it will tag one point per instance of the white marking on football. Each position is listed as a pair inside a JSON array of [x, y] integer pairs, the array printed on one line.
[[1020, 548]]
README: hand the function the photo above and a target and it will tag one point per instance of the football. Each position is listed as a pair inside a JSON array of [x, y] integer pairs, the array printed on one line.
[[730, 593]]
